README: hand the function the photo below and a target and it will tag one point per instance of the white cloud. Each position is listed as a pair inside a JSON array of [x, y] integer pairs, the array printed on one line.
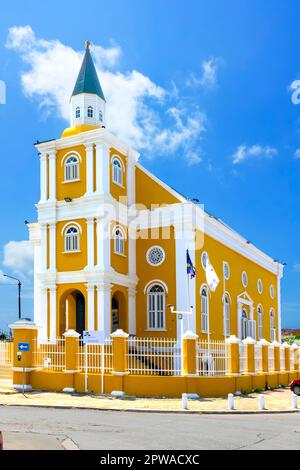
[[296, 267], [244, 153], [297, 154], [18, 257], [208, 78], [139, 112]]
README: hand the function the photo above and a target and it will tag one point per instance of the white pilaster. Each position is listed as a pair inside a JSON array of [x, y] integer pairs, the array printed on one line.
[[53, 333], [52, 247], [130, 181], [91, 306], [90, 244], [185, 288], [103, 244], [43, 177], [42, 332], [44, 237], [131, 311], [104, 307], [102, 169], [279, 308], [52, 176], [89, 169]]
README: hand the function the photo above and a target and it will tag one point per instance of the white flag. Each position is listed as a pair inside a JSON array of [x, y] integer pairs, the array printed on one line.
[[211, 276]]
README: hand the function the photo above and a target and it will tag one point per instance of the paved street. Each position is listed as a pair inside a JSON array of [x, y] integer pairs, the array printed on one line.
[[37, 428]]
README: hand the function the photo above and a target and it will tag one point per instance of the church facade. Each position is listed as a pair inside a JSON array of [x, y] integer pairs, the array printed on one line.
[[110, 244]]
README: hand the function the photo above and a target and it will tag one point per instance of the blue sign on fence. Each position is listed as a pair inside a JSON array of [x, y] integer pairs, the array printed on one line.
[[23, 347]]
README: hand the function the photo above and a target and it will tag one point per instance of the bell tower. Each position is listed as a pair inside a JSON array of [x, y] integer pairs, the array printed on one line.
[[87, 104]]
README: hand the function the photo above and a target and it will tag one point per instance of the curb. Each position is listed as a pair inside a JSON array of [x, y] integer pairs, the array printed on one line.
[[157, 411]]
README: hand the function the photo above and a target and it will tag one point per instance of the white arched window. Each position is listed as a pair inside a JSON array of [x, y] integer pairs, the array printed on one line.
[[72, 239], [272, 326], [226, 314], [117, 173], [204, 310], [90, 112], [77, 112], [119, 241], [156, 305], [100, 116], [260, 321], [72, 169]]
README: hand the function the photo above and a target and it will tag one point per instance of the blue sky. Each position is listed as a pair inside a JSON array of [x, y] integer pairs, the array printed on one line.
[[205, 97]]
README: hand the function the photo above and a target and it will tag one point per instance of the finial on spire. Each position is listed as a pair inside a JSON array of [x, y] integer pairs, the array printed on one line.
[[87, 44]]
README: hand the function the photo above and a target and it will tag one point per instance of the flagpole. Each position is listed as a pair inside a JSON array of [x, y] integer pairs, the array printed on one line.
[[188, 295]]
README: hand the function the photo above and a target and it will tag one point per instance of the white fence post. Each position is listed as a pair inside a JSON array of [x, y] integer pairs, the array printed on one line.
[[294, 401], [184, 401], [230, 401], [261, 402]]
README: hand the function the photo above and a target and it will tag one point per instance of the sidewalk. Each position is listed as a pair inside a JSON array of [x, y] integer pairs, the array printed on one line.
[[276, 400]]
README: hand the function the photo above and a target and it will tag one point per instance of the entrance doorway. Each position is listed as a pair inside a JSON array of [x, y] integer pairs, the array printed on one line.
[[115, 314], [72, 312]]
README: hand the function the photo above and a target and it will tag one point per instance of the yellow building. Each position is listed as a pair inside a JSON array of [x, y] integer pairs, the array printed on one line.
[[111, 239]]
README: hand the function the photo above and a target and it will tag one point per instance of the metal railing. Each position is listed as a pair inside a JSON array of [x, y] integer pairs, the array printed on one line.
[[96, 358], [49, 355], [153, 356], [258, 358], [271, 358], [6, 353], [243, 358], [211, 358], [282, 358]]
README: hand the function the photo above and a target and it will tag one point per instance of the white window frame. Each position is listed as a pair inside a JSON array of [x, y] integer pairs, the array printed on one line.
[[156, 308], [260, 316], [226, 265], [72, 240], [204, 308], [90, 110], [260, 286], [272, 326], [71, 169], [117, 171], [77, 112], [119, 241], [203, 256], [245, 278], [226, 314]]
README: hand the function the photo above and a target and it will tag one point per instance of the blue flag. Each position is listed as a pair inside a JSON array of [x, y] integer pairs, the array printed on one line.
[[189, 265]]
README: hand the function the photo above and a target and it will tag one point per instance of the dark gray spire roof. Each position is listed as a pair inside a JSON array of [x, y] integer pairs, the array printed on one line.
[[88, 81]]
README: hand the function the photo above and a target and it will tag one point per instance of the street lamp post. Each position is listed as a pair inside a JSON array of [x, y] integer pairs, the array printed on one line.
[[19, 291]]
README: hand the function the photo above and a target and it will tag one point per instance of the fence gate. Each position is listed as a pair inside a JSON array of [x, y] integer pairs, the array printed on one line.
[[95, 359]]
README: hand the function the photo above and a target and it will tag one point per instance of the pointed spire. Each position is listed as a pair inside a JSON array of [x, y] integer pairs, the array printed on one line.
[[88, 81]]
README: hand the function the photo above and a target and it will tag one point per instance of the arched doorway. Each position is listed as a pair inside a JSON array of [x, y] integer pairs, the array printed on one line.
[[72, 312], [118, 311]]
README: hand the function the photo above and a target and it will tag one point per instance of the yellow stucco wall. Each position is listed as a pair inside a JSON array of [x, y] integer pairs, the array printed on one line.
[[74, 189], [119, 262], [73, 261], [218, 253], [117, 191], [147, 273], [150, 192]]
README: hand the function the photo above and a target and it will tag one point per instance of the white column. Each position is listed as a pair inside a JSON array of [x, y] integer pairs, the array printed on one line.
[[130, 182], [52, 247], [53, 333], [44, 248], [103, 244], [52, 176], [91, 306], [104, 307], [44, 314], [43, 177], [89, 169], [185, 239], [279, 308], [102, 169], [131, 311], [90, 243]]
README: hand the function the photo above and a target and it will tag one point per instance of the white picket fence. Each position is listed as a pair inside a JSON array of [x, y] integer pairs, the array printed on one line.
[[49, 355], [153, 356], [211, 358], [5, 353]]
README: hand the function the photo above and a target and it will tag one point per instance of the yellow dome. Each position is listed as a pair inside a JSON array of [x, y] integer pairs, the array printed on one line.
[[78, 129]]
